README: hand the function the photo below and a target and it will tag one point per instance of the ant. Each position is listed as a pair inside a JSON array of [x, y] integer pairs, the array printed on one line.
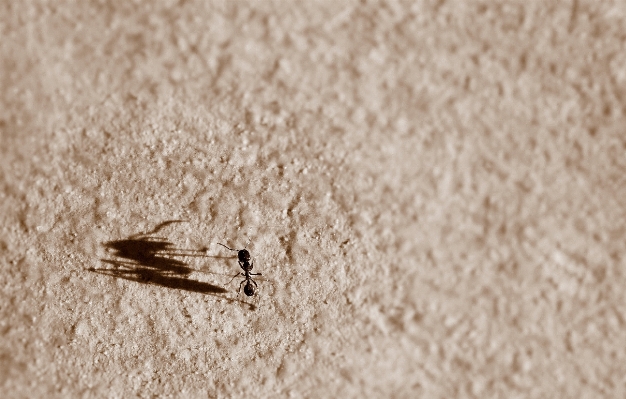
[[246, 264]]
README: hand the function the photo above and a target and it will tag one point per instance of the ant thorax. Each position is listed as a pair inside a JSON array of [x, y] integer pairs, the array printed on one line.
[[247, 267]]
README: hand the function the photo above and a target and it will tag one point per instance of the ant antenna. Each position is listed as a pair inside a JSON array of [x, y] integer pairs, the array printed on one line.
[[227, 247]]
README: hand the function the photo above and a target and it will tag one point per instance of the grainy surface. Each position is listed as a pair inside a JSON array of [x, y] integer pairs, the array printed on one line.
[[434, 192]]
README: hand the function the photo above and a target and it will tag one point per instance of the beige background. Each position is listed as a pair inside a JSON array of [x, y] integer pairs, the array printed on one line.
[[434, 192]]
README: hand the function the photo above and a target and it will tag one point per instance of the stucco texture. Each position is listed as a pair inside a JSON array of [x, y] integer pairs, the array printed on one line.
[[433, 191]]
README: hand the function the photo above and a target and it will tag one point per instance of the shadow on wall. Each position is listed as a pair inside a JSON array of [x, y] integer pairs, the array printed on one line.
[[147, 259]]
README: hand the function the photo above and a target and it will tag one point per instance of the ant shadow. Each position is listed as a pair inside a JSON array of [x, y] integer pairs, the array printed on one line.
[[148, 259]]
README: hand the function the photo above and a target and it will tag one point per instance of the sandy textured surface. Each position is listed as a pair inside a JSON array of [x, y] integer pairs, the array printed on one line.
[[435, 194]]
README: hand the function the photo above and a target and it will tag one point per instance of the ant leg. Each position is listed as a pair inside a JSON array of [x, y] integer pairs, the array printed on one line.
[[239, 290], [236, 275], [255, 274], [226, 247]]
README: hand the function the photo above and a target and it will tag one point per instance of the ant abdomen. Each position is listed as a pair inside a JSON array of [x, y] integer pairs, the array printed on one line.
[[248, 289]]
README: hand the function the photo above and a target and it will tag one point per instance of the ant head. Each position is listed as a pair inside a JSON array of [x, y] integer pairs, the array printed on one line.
[[243, 255], [248, 289]]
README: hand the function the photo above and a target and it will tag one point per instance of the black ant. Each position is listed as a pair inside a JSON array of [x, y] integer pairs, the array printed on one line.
[[246, 264]]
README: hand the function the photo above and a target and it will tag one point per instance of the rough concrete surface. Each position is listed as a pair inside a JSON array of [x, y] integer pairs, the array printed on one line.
[[433, 191]]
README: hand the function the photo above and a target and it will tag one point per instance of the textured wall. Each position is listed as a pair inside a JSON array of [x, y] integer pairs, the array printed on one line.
[[434, 192]]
